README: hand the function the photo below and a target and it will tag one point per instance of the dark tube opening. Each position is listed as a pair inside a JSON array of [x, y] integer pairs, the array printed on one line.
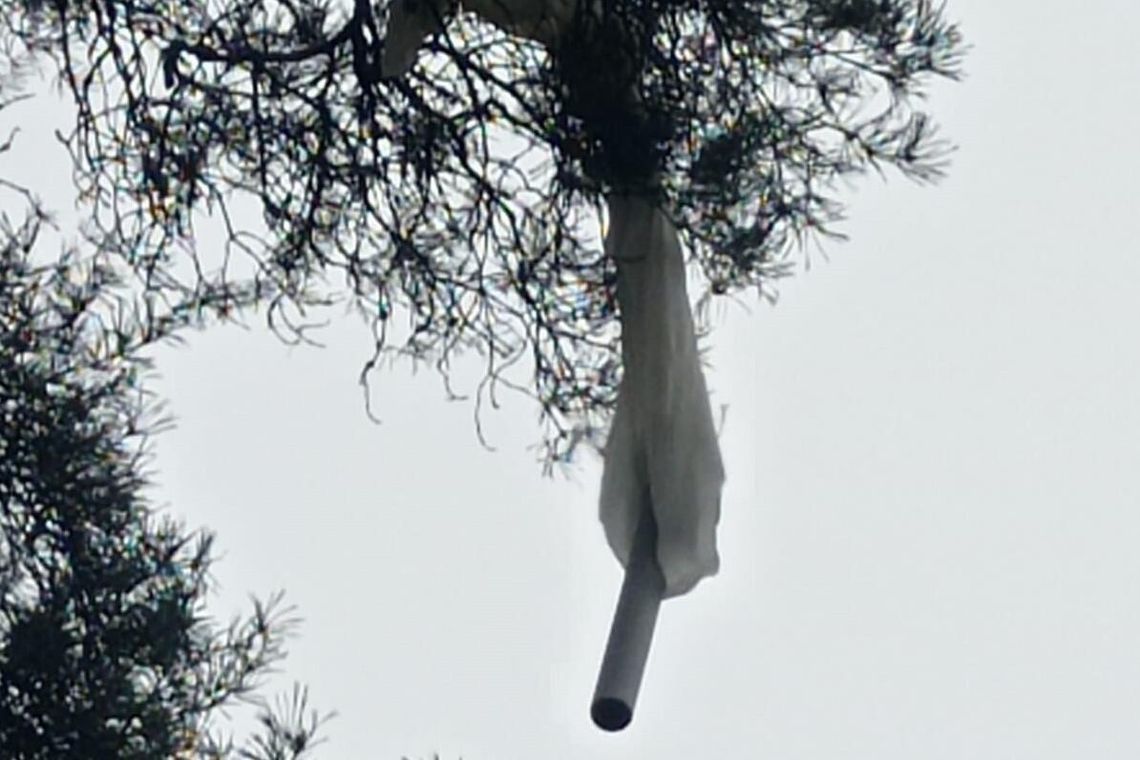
[[611, 714]]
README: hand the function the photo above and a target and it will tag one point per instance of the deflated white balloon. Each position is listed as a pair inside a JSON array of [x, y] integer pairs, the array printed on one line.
[[663, 440]]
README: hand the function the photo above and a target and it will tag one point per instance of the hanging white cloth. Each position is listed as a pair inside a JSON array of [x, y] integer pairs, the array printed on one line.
[[662, 447], [662, 440]]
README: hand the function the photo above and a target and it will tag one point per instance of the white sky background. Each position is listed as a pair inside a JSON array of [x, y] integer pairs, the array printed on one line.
[[932, 514]]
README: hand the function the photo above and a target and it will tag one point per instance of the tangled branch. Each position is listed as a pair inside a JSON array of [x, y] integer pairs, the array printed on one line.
[[458, 208]]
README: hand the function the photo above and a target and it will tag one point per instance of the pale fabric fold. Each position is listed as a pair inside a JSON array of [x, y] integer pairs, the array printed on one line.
[[662, 443], [411, 22], [662, 448]]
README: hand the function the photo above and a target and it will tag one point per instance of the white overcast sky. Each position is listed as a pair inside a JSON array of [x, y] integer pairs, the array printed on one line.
[[932, 515]]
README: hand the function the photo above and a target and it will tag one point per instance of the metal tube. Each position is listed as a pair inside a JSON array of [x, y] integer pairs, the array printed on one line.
[[631, 633]]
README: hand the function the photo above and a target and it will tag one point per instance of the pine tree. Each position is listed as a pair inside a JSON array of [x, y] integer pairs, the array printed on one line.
[[106, 650], [457, 207]]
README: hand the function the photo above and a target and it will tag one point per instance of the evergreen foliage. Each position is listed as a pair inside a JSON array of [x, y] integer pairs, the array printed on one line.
[[457, 207], [105, 647]]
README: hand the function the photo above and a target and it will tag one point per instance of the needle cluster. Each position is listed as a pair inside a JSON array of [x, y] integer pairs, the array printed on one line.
[[457, 207]]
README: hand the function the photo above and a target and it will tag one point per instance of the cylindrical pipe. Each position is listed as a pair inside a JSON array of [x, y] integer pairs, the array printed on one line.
[[631, 633]]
